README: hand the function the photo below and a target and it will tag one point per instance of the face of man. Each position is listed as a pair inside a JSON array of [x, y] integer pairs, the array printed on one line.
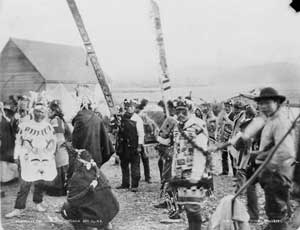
[[268, 106], [227, 108], [130, 109], [205, 109], [198, 112], [22, 112], [183, 114], [38, 115]]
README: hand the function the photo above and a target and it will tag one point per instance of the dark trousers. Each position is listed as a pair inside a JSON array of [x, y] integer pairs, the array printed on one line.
[[58, 187], [252, 199], [252, 202], [134, 161], [297, 168], [276, 187], [193, 213], [225, 166], [24, 191], [164, 164], [160, 166], [145, 160]]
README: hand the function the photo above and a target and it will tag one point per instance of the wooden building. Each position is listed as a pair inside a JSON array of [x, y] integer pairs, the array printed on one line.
[[27, 65]]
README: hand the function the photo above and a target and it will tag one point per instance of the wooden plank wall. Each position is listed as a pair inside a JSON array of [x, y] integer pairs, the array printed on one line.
[[17, 75]]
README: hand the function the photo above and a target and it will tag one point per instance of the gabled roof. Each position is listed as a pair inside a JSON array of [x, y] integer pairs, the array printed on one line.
[[56, 62]]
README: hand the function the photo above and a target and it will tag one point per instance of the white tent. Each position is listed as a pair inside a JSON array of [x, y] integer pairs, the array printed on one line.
[[69, 104], [100, 102]]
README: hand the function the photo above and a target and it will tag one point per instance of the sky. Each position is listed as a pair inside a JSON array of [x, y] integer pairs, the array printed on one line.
[[212, 34]]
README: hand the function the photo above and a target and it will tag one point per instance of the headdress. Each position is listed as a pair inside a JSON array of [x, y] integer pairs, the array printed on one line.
[[128, 103], [182, 103]]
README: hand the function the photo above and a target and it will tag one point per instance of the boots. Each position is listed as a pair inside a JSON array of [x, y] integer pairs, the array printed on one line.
[[194, 226], [195, 221], [277, 226]]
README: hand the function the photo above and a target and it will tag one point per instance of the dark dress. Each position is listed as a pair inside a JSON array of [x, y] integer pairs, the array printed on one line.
[[7, 135]]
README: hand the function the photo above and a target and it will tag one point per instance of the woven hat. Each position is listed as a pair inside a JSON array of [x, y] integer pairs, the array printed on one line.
[[269, 93]]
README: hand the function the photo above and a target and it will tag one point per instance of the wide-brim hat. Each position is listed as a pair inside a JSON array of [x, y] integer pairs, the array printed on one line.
[[269, 93]]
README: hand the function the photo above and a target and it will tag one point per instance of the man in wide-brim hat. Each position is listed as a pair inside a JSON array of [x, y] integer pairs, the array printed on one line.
[[270, 93], [277, 177]]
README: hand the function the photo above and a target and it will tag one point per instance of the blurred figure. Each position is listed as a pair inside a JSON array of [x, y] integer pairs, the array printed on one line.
[[9, 170], [198, 113], [56, 116], [149, 136], [165, 149], [224, 131], [238, 115]]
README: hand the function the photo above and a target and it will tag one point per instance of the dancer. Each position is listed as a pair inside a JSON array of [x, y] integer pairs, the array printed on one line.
[[191, 169]]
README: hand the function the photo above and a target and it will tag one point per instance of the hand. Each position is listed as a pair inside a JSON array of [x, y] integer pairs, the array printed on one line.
[[93, 185], [260, 158], [139, 148], [212, 149], [17, 161]]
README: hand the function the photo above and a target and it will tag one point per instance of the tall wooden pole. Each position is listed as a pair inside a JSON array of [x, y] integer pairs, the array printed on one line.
[[164, 79], [92, 55]]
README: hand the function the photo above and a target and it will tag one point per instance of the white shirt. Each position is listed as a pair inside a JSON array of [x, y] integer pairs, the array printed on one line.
[[140, 127]]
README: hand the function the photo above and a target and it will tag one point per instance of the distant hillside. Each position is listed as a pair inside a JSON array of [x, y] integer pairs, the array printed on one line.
[[287, 74], [284, 74]]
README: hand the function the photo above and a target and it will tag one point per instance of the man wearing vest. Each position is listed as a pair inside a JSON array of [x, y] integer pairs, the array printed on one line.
[[276, 178], [130, 140]]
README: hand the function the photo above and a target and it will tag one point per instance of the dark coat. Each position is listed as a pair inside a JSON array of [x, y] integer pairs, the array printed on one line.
[[89, 133], [127, 138], [88, 206], [7, 137]]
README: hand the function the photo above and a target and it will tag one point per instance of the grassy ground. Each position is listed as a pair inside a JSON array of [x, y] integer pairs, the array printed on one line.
[[136, 209]]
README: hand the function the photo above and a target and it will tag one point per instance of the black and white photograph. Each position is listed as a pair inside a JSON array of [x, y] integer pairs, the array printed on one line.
[[150, 114]]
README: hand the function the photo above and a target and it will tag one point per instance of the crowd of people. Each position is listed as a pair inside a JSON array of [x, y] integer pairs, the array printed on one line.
[[65, 159]]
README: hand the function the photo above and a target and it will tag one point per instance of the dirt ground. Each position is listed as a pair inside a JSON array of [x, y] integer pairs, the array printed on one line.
[[136, 209]]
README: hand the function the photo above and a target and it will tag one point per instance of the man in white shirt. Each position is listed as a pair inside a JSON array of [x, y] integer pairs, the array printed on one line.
[[276, 179]]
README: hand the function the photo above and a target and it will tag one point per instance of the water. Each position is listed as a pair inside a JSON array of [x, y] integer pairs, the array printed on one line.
[[206, 93]]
